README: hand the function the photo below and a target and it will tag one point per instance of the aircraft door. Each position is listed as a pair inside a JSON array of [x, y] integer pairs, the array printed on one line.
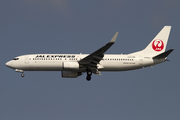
[[140, 61], [26, 59]]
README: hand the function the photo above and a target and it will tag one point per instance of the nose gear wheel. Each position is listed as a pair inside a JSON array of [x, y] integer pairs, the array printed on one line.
[[22, 75]]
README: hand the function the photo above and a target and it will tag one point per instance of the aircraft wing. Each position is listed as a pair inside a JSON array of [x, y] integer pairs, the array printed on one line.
[[94, 58]]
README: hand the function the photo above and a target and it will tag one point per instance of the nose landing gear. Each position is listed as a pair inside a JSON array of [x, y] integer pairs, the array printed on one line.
[[21, 71]]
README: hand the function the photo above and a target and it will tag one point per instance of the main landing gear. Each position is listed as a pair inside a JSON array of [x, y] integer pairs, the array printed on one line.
[[89, 73]]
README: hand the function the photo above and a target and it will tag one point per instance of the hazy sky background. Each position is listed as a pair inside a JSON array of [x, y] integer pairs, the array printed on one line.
[[69, 26]]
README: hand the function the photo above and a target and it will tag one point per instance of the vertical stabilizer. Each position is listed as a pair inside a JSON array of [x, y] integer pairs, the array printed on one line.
[[158, 44]]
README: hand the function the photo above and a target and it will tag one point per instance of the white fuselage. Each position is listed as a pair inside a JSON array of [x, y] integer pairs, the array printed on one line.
[[55, 62]]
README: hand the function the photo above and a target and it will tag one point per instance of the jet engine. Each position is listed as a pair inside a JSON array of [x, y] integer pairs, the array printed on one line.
[[70, 74]]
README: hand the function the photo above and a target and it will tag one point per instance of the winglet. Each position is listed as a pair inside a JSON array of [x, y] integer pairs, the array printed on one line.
[[114, 38]]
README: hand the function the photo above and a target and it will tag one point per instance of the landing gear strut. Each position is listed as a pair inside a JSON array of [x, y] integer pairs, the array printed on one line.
[[89, 73], [21, 71]]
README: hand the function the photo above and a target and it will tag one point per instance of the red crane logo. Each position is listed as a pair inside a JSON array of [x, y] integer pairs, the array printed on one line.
[[158, 45]]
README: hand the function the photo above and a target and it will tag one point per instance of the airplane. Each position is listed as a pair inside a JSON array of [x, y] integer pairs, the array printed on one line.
[[73, 65]]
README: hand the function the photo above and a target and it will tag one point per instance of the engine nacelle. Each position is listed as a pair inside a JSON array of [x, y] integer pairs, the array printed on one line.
[[70, 66], [70, 74]]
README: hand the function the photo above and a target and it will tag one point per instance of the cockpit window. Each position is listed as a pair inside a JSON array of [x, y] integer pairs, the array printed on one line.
[[16, 59]]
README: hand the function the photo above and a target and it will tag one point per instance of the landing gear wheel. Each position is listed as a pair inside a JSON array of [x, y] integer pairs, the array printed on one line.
[[89, 73], [22, 75], [88, 78]]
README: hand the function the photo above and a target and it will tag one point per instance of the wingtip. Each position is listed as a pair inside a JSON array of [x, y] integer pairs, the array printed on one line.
[[114, 38]]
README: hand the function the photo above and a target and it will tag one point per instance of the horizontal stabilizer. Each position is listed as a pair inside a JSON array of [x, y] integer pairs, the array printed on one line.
[[163, 55]]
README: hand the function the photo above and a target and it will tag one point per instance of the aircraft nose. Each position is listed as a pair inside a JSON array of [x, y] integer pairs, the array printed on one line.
[[9, 64]]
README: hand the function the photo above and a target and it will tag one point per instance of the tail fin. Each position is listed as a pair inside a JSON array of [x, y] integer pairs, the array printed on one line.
[[158, 44]]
